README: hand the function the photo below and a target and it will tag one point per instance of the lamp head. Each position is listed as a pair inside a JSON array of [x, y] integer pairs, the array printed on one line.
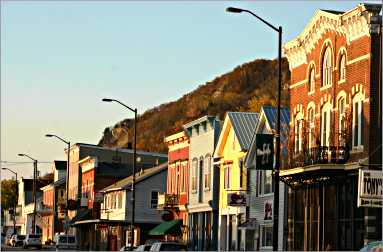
[[107, 100], [233, 10], [48, 135], [3, 168], [21, 155]]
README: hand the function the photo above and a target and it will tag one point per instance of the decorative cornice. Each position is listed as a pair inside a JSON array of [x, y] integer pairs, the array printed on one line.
[[356, 23]]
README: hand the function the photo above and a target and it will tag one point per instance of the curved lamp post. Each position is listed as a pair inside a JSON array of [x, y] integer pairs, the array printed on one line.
[[67, 173], [34, 190], [134, 162], [14, 208], [277, 136]]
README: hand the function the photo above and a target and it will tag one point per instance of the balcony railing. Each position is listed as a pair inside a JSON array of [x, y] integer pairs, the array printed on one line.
[[44, 209], [167, 200], [321, 155]]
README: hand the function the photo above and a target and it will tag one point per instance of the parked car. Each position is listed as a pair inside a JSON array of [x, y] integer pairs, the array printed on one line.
[[127, 248], [32, 240], [17, 240], [373, 246], [65, 242], [145, 247], [168, 246]]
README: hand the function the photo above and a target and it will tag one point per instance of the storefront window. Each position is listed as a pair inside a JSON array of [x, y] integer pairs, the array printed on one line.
[[267, 236]]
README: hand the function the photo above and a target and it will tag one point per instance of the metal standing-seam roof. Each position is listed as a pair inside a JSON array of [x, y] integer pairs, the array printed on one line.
[[271, 116], [243, 124]]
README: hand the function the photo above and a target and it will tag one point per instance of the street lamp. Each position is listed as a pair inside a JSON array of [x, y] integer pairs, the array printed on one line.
[[14, 208], [34, 190], [277, 136], [67, 173], [134, 162]]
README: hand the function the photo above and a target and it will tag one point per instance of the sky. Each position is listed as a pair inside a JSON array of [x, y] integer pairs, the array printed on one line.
[[60, 58]]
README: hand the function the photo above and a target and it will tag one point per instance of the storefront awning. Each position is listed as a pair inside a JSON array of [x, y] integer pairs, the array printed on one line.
[[167, 228], [81, 215]]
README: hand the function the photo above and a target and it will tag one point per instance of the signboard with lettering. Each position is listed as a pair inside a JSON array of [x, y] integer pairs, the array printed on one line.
[[264, 152], [370, 188], [236, 199]]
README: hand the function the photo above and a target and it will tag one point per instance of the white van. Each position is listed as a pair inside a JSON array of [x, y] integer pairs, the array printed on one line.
[[65, 242]]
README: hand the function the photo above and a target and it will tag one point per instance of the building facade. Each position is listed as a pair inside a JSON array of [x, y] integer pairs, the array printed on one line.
[[261, 188], [335, 128], [177, 189], [231, 149], [203, 183]]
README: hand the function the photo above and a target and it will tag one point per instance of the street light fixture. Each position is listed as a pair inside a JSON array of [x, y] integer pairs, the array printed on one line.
[[67, 173], [34, 190], [14, 208], [134, 163], [277, 136]]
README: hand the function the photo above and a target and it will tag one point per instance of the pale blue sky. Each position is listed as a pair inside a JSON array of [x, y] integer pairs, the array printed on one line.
[[60, 58]]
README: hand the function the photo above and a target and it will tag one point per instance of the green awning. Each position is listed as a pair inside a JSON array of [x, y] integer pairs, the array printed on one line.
[[167, 228]]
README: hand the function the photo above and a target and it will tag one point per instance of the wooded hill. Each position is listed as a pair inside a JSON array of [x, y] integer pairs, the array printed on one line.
[[247, 88]]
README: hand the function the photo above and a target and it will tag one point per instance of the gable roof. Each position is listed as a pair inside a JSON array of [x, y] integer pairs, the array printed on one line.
[[125, 183], [243, 124], [270, 115]]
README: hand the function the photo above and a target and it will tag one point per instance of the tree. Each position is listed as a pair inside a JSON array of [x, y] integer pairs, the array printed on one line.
[[8, 193]]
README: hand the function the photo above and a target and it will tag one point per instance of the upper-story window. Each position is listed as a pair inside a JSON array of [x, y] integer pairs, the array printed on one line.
[[298, 132], [227, 171], [327, 68], [153, 199], [326, 125], [357, 122], [183, 184], [194, 175], [311, 80], [311, 124], [265, 182], [341, 113], [342, 67], [119, 200], [207, 175]]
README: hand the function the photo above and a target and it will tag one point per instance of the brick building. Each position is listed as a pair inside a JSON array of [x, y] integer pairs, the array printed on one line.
[[335, 128]]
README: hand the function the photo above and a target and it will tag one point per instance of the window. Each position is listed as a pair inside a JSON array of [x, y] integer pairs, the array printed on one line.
[[241, 170], [194, 175], [184, 170], [266, 178], [227, 176], [327, 68], [358, 123], [341, 113], [154, 199], [178, 176], [207, 172], [310, 119], [312, 80], [325, 125], [119, 200], [267, 236], [342, 67], [298, 133]]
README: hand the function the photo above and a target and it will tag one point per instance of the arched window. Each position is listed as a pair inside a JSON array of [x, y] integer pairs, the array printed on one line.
[[342, 67], [312, 80], [207, 172], [298, 132], [357, 121], [341, 113], [326, 125], [310, 120], [327, 68]]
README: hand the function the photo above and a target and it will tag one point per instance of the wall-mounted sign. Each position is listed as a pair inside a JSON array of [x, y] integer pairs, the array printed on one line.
[[264, 151], [268, 210], [236, 199], [99, 197], [84, 202], [370, 188], [101, 226]]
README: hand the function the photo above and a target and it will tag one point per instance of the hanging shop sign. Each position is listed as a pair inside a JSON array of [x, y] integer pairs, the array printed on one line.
[[264, 152], [268, 210], [236, 199], [370, 188]]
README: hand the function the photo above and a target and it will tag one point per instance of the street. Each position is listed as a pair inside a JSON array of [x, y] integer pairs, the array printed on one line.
[[45, 248]]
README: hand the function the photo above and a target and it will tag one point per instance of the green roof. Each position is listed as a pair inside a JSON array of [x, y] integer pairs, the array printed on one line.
[[167, 228]]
